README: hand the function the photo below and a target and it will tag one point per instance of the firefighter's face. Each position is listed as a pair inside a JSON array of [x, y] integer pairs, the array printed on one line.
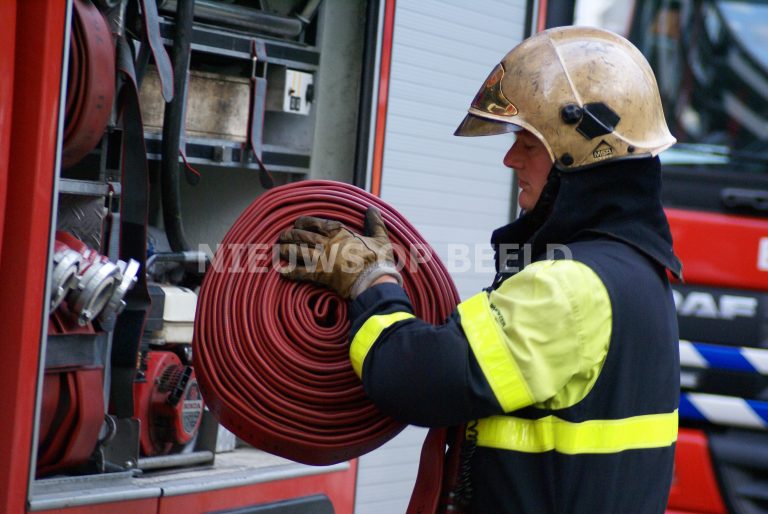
[[529, 158]]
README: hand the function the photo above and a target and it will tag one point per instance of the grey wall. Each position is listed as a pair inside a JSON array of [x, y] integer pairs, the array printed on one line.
[[341, 33], [211, 207]]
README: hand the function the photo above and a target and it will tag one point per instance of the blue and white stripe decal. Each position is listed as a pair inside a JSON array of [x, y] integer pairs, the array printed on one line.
[[724, 410], [729, 358]]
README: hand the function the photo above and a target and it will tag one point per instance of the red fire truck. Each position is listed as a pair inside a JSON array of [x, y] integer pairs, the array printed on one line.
[[711, 62], [102, 413], [97, 415]]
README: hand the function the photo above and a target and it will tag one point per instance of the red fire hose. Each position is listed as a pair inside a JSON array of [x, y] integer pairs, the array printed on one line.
[[272, 355], [91, 86]]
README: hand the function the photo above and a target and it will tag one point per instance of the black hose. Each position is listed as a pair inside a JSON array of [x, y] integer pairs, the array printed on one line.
[[306, 15], [245, 18], [462, 493], [172, 126], [188, 257]]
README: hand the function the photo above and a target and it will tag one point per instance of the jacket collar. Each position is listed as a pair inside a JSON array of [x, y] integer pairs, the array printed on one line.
[[619, 200]]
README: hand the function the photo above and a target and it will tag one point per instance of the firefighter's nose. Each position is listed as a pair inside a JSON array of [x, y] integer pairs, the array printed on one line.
[[513, 158]]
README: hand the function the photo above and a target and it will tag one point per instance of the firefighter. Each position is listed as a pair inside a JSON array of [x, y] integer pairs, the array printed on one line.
[[566, 369]]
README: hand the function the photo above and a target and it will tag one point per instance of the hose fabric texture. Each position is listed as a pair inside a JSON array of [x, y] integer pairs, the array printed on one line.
[[272, 356]]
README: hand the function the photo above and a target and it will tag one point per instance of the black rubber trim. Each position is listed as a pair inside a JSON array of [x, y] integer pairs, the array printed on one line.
[[315, 504]]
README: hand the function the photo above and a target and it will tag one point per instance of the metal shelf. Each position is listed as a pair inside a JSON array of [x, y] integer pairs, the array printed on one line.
[[231, 47], [70, 350], [237, 45], [83, 187], [226, 153]]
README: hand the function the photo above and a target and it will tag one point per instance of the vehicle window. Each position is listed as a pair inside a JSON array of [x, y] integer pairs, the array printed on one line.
[[711, 62]]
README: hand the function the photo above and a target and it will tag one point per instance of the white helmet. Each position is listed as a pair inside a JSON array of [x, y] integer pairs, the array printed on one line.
[[588, 94]]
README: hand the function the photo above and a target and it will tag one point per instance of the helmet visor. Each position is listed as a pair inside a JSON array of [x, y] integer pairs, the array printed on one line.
[[477, 126]]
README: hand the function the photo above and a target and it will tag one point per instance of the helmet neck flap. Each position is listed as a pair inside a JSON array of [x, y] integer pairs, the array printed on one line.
[[620, 200]]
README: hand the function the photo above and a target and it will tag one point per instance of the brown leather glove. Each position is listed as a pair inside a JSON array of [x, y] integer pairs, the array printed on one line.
[[328, 253]]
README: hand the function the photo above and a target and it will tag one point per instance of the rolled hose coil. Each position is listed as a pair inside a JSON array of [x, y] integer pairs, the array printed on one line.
[[272, 356]]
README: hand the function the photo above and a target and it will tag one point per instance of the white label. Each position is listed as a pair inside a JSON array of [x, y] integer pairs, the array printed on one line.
[[295, 98], [762, 254], [703, 305]]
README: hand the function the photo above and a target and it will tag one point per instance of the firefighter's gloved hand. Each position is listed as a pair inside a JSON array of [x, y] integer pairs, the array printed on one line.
[[328, 253]]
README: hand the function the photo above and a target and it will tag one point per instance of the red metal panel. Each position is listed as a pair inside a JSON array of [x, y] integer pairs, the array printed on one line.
[[721, 250], [694, 486], [383, 97], [36, 83], [541, 22], [338, 486], [7, 47], [146, 506]]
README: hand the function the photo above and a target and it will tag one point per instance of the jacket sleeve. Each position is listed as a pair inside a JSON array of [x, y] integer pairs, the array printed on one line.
[[496, 353]]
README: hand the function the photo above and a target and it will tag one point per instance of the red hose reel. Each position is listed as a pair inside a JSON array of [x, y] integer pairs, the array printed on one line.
[[272, 355], [70, 418], [91, 82], [72, 410]]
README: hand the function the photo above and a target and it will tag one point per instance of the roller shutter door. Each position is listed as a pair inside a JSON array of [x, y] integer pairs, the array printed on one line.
[[454, 190]]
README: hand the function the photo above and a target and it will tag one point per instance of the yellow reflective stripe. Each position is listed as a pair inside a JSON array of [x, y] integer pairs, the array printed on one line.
[[594, 436], [368, 334], [493, 355]]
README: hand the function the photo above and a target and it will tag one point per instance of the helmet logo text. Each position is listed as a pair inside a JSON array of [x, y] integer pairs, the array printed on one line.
[[602, 151]]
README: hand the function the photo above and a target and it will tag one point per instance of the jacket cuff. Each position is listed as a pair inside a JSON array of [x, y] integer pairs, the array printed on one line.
[[373, 273], [380, 299]]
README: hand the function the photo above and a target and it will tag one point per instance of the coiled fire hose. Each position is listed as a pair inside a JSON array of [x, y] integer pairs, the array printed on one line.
[[91, 87], [272, 355]]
